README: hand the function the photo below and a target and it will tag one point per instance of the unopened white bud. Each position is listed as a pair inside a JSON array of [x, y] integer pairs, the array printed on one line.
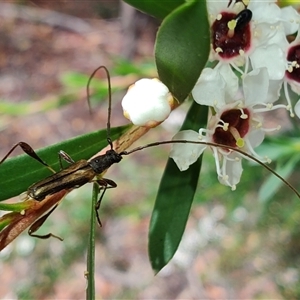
[[148, 102]]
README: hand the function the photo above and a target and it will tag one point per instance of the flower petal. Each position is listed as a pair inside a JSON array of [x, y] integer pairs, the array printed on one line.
[[233, 169], [205, 91], [256, 137], [297, 109], [255, 85], [186, 154], [231, 80], [264, 11], [291, 19], [273, 91], [266, 56]]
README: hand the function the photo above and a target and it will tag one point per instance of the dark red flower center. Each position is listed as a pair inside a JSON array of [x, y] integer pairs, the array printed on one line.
[[294, 58], [237, 128], [231, 34]]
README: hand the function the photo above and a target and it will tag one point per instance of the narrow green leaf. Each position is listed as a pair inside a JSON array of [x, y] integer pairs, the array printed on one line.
[[174, 200], [29, 107], [18, 173], [158, 9], [90, 291], [273, 184], [14, 109], [182, 47], [75, 80], [278, 147]]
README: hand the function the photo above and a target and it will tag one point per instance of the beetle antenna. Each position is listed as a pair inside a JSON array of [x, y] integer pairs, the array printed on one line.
[[214, 145], [109, 100]]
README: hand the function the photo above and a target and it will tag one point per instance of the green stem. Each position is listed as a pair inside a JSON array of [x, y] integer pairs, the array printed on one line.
[[90, 275]]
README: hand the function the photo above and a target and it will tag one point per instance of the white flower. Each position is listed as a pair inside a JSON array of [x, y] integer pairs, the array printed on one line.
[[254, 34], [148, 102], [292, 74], [237, 122]]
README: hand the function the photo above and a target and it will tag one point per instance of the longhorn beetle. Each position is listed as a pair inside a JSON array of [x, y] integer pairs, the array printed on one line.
[[84, 171], [77, 174]]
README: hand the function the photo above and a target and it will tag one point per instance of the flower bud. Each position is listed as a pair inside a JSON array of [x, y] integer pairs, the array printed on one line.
[[147, 103]]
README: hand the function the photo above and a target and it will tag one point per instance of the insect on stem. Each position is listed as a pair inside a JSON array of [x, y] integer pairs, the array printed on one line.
[[76, 174], [84, 171]]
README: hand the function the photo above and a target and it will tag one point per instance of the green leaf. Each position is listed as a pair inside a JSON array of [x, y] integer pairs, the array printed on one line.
[[29, 107], [155, 8], [14, 109], [124, 67], [75, 80], [18, 173], [174, 200], [273, 184], [278, 147], [182, 48]]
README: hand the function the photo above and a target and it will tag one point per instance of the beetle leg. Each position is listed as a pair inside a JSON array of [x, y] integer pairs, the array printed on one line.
[[38, 223], [104, 184]]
